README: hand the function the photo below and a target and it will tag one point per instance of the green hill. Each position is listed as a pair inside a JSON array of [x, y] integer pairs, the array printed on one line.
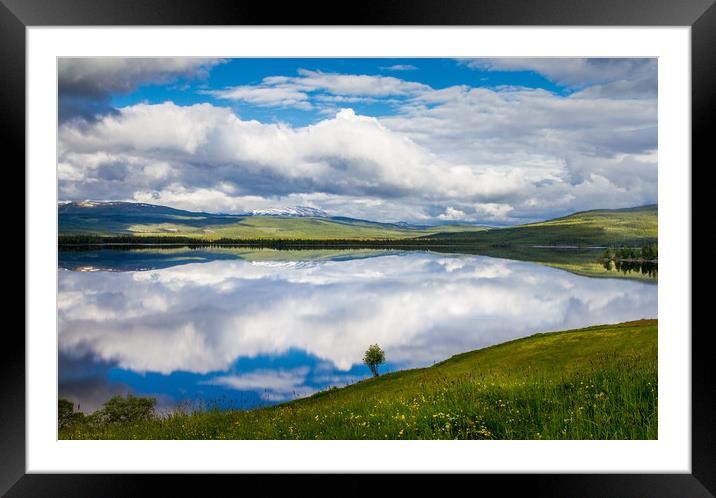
[[592, 383], [602, 227], [146, 220]]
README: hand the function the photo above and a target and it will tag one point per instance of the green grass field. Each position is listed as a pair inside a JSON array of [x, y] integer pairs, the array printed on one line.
[[605, 227], [248, 227], [108, 219], [592, 383], [272, 227]]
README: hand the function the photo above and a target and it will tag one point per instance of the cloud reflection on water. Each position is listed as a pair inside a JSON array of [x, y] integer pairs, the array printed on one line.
[[200, 318]]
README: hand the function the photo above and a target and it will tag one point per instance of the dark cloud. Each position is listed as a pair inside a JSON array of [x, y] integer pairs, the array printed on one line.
[[623, 89], [74, 106], [582, 72], [83, 380], [85, 84], [99, 77]]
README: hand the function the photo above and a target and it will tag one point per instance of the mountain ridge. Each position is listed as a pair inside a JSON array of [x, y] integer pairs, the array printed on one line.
[[598, 227], [115, 218], [298, 211]]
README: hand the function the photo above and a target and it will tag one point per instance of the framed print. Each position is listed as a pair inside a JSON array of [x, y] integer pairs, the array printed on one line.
[[416, 240]]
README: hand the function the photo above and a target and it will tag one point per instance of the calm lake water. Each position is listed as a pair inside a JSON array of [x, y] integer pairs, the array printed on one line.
[[241, 329]]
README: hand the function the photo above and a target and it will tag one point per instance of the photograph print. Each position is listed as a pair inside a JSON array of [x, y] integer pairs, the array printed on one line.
[[357, 248]]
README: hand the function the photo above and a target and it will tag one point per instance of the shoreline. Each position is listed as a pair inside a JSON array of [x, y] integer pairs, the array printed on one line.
[[330, 243]]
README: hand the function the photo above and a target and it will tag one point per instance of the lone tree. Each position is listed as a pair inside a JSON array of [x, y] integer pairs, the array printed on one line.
[[373, 357]]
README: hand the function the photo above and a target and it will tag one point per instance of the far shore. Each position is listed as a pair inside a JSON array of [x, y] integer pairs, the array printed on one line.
[[329, 243]]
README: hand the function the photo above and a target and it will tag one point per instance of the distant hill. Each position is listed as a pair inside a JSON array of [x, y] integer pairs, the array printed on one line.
[[137, 219], [601, 227]]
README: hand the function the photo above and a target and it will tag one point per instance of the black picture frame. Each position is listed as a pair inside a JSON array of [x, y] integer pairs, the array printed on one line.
[[700, 15]]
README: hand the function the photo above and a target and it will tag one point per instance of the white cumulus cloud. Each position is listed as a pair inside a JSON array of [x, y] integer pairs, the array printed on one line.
[[492, 155]]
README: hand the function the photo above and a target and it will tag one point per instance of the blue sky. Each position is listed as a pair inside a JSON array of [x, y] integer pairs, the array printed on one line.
[[496, 141], [437, 73]]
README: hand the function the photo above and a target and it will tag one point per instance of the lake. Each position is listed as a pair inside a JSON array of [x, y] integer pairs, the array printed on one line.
[[244, 328]]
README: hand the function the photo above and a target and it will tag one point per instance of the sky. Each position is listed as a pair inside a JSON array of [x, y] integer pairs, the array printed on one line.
[[490, 141]]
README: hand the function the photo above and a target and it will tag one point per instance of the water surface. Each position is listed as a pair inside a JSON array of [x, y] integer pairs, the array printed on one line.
[[245, 329]]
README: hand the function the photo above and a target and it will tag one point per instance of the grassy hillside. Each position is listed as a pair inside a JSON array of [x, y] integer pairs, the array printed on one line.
[[593, 383], [275, 227], [633, 226], [112, 219], [604, 227]]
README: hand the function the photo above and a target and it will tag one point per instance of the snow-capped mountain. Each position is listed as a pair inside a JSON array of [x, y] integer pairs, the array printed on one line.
[[297, 211]]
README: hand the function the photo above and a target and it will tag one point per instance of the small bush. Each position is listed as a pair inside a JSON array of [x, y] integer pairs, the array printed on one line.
[[129, 409], [66, 414]]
